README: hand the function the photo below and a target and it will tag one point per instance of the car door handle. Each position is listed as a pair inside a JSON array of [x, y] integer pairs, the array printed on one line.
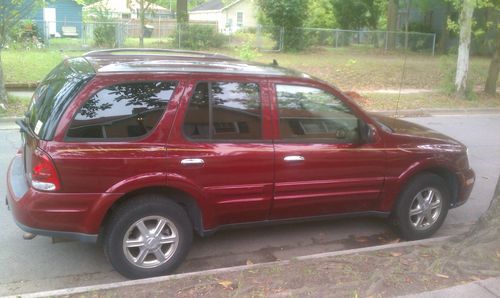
[[292, 158], [192, 162]]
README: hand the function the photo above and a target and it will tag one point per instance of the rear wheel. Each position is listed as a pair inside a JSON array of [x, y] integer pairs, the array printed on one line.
[[148, 236], [422, 207]]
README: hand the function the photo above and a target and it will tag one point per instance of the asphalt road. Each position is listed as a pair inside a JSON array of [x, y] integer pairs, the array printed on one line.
[[39, 264]]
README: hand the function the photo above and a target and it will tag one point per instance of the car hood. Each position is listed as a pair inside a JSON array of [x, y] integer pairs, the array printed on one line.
[[401, 127]]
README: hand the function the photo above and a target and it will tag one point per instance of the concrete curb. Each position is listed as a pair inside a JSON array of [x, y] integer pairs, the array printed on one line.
[[21, 86], [81, 290]]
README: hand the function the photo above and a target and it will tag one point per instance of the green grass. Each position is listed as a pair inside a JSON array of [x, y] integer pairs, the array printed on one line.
[[377, 101], [16, 106], [354, 68], [21, 66]]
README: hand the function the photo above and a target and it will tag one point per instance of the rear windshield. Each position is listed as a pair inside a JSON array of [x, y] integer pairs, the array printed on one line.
[[54, 94]]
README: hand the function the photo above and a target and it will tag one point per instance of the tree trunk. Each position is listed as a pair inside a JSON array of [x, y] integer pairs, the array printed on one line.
[[465, 23], [392, 23], [3, 91], [491, 81], [182, 12], [142, 23]]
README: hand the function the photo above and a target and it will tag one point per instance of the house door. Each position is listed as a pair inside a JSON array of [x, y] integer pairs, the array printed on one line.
[[49, 18]]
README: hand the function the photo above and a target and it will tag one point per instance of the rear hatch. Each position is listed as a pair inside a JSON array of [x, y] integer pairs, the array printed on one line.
[[47, 106]]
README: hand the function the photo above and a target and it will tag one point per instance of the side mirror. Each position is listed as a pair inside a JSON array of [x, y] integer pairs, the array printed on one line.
[[366, 132]]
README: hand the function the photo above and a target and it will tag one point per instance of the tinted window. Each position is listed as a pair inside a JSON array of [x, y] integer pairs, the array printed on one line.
[[54, 93], [122, 111], [224, 111], [310, 113]]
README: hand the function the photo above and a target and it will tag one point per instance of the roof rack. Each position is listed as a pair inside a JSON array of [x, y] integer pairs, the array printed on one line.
[[159, 52]]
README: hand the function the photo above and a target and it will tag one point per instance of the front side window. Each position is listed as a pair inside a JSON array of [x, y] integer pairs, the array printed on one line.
[[122, 111], [224, 111], [308, 113]]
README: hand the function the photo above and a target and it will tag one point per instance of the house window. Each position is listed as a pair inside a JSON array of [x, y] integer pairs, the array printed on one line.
[[239, 19], [224, 111]]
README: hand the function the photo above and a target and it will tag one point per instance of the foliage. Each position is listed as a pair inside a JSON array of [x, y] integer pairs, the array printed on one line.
[[289, 14], [248, 52], [196, 37], [320, 14], [356, 14], [105, 29], [11, 13]]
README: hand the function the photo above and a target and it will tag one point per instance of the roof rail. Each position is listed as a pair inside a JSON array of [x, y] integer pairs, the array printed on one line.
[[160, 52]]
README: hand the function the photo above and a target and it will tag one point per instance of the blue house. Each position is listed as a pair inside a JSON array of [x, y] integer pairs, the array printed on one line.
[[61, 18]]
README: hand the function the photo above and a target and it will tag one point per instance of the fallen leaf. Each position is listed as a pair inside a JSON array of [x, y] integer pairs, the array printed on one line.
[[442, 275], [498, 253], [475, 278], [396, 254], [361, 239], [227, 284], [249, 262]]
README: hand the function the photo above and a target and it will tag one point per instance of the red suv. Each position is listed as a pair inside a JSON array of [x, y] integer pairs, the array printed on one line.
[[137, 150]]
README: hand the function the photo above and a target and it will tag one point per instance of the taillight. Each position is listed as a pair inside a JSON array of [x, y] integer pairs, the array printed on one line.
[[43, 174]]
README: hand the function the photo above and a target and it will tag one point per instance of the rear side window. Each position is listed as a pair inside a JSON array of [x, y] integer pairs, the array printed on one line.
[[122, 111], [54, 94], [224, 111]]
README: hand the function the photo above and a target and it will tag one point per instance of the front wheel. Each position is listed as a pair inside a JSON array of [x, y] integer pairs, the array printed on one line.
[[148, 236], [422, 207]]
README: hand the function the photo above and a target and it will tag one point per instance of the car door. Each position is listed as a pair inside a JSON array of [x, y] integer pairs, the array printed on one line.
[[220, 150], [322, 166]]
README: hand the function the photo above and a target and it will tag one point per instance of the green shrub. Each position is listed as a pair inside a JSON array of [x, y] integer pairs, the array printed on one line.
[[197, 37], [105, 35]]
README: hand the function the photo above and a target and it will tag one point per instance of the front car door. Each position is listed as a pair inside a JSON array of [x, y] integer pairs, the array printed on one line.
[[322, 165]]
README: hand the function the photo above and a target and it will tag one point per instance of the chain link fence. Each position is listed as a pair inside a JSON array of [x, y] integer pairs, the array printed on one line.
[[385, 40], [206, 36]]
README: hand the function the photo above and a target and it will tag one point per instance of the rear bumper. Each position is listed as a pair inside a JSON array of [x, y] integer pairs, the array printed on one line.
[[64, 215]]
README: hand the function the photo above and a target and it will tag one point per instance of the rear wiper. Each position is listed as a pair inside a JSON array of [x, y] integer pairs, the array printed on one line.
[[25, 128]]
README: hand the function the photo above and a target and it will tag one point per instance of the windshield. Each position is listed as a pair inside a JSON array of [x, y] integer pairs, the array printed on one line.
[[54, 94]]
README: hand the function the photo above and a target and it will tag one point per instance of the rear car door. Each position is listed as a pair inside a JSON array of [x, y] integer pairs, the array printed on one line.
[[220, 149], [322, 165]]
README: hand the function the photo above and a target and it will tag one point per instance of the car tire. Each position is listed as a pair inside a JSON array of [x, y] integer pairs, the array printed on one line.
[[147, 236], [422, 207]]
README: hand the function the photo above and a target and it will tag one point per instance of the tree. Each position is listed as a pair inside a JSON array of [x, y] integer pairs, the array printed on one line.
[[320, 14], [491, 81], [392, 22], [182, 12], [290, 15], [465, 23], [11, 13], [144, 8], [357, 14]]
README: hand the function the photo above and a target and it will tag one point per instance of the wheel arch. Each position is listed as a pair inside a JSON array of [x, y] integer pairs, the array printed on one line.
[[448, 175], [185, 200]]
